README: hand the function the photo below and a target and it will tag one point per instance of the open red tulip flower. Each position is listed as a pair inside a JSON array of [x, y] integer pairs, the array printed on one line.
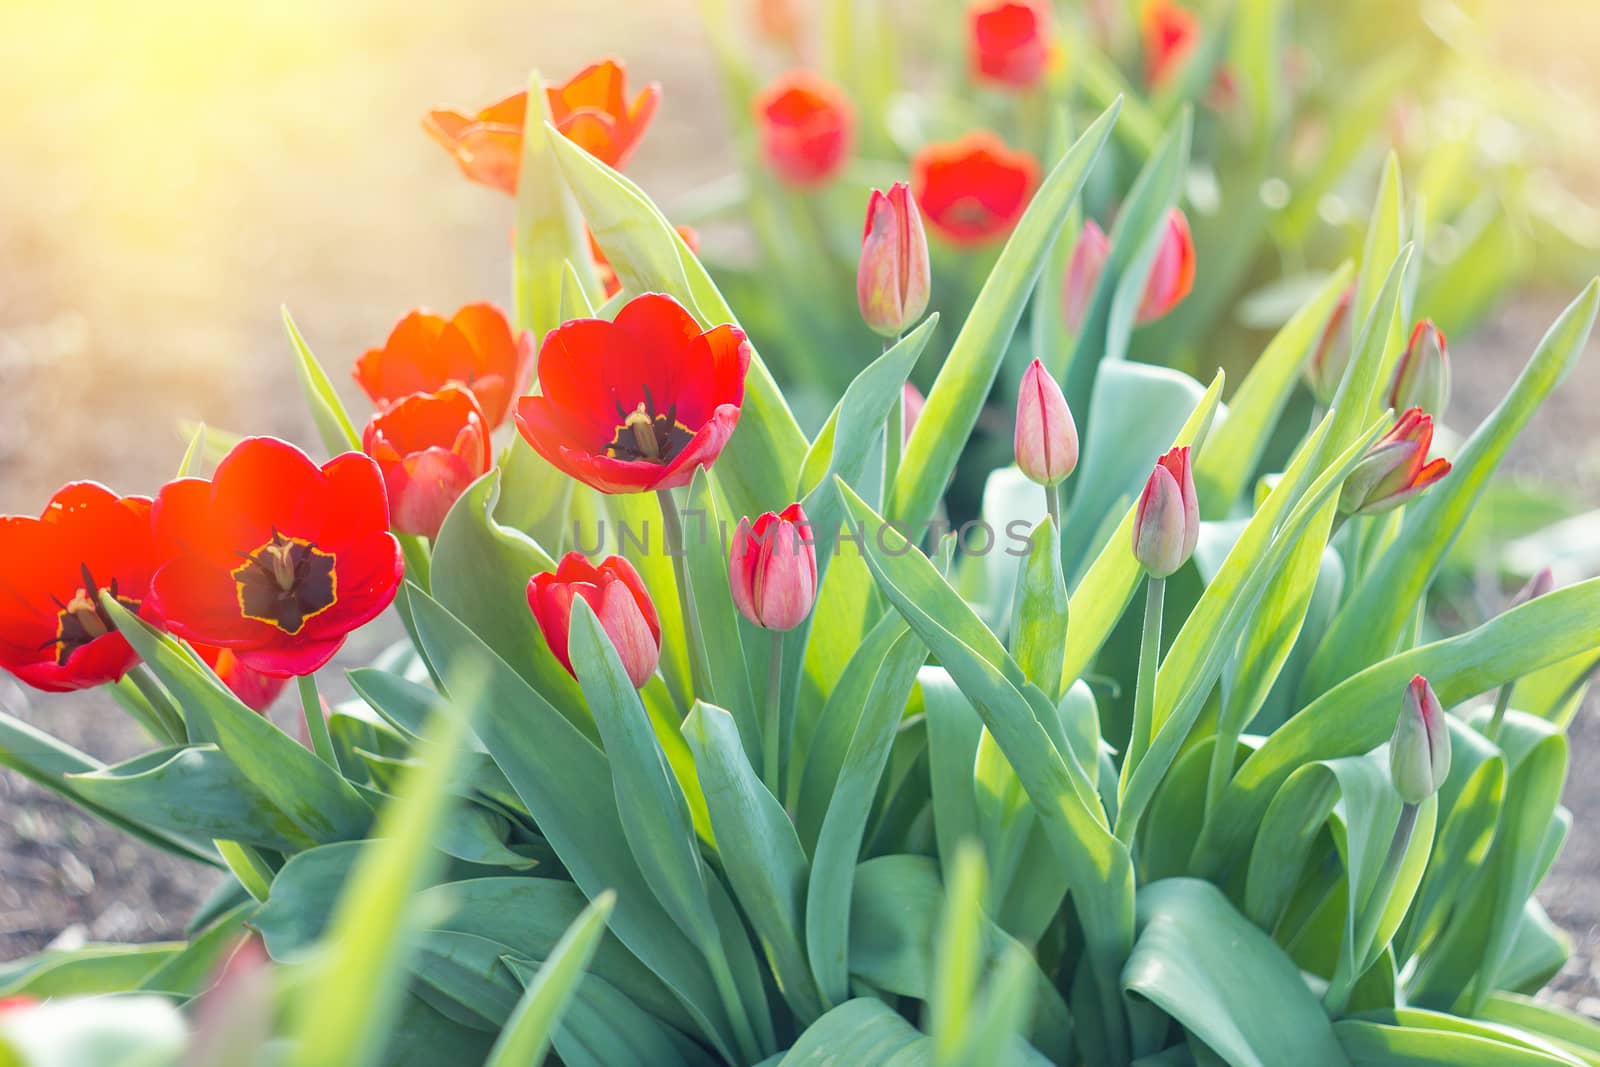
[[430, 447], [1009, 42], [806, 126], [255, 690], [619, 599], [275, 558], [591, 110], [54, 632], [973, 191], [636, 404], [475, 348]]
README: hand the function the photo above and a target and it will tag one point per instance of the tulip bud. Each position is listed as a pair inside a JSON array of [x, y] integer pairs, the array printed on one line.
[[1083, 275], [616, 593], [430, 447], [1419, 752], [1166, 525], [1172, 273], [1328, 362], [1394, 469], [772, 569], [911, 402], [1537, 586], [893, 277], [1046, 438], [1423, 378]]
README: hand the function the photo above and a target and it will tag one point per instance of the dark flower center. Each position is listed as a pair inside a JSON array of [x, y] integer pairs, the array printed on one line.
[[285, 582], [83, 618], [644, 434]]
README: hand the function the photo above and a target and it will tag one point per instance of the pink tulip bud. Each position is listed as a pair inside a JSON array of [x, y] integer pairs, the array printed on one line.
[[1537, 586], [1326, 368], [1166, 526], [911, 402], [1172, 273], [1047, 438], [1419, 752], [1394, 469], [1083, 274], [772, 569], [1423, 378], [616, 593], [893, 278]]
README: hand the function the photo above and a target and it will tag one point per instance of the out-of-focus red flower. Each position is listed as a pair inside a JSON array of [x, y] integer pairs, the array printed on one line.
[[474, 348], [975, 189], [9, 1004], [54, 633], [1046, 439], [274, 557], [1395, 468], [255, 690], [1166, 524], [638, 403], [772, 569], [608, 277], [893, 278], [1172, 273], [1083, 274], [806, 126], [1170, 33], [1422, 380], [616, 593], [1327, 365], [591, 110], [780, 22], [430, 447], [1008, 42]]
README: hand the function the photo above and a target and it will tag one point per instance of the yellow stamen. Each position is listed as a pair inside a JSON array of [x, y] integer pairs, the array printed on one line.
[[644, 431], [281, 564], [87, 612]]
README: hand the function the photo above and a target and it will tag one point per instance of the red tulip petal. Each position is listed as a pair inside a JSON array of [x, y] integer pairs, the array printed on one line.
[[368, 571], [357, 504], [199, 601], [304, 656], [263, 485]]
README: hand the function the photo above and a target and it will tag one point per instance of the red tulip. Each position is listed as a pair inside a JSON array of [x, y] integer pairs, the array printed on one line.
[[806, 126], [591, 110], [636, 404], [893, 277], [1172, 273], [1047, 437], [426, 352], [255, 690], [275, 558], [54, 633], [1083, 274], [779, 22], [1422, 380], [1170, 34], [772, 569], [1419, 751], [430, 447], [608, 277], [973, 190], [1394, 469], [1009, 42], [616, 593], [1326, 369], [1166, 525]]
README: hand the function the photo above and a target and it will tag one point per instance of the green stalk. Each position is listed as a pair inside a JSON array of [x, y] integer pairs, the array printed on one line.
[[1052, 503], [1345, 977], [1501, 703], [770, 734], [248, 867], [316, 723], [1144, 695], [672, 536], [894, 437], [165, 721]]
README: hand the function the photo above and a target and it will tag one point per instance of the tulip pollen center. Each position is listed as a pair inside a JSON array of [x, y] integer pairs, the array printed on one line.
[[644, 434], [82, 618], [285, 582]]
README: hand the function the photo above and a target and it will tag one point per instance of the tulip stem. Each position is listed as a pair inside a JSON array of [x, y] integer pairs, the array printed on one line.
[[1144, 694], [1502, 702], [771, 738], [672, 538], [894, 437], [1353, 964], [316, 722], [1052, 503]]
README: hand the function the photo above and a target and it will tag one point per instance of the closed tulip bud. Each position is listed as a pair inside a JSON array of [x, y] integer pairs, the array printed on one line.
[[1172, 273], [911, 402], [616, 593], [1423, 378], [1047, 438], [1394, 469], [1083, 274], [1537, 586], [1166, 525], [893, 277], [772, 569], [1419, 752], [1326, 367]]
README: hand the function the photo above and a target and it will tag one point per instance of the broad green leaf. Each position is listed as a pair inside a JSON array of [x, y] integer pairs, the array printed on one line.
[[1370, 1044], [548, 230], [969, 370], [1386, 231], [1576, 1034], [864, 1032], [957, 958], [526, 1035], [707, 535], [1224, 980], [85, 971], [327, 410]]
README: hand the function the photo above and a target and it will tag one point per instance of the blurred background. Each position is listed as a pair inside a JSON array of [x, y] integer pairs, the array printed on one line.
[[171, 172]]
